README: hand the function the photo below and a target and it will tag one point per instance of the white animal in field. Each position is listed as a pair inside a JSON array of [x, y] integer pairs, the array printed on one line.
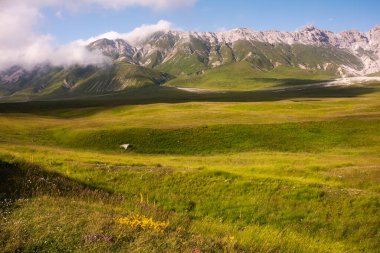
[[124, 146]]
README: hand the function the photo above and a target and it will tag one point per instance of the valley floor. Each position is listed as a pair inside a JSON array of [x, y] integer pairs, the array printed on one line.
[[298, 173], [346, 81]]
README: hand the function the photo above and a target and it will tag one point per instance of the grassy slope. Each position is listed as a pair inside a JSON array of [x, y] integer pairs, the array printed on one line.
[[193, 56], [124, 76], [90, 80], [313, 56], [307, 137], [190, 57], [306, 181], [242, 76]]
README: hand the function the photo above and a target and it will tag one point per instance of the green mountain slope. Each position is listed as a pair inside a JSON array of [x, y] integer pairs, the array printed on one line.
[[59, 82], [118, 78], [189, 57], [194, 56], [244, 76]]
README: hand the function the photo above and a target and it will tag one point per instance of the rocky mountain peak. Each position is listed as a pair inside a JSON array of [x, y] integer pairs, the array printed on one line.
[[374, 34], [308, 28]]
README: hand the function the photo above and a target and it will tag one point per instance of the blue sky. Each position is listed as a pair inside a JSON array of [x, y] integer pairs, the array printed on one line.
[[212, 15]]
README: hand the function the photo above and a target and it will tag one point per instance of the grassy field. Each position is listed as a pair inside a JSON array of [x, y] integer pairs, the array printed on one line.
[[294, 170], [243, 76]]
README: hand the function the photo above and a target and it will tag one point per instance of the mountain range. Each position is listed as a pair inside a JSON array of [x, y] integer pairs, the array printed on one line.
[[193, 58]]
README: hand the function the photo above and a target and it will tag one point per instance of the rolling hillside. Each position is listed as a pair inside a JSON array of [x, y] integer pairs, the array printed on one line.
[[291, 171]]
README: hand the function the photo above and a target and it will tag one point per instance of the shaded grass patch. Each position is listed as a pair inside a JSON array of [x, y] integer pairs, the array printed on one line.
[[293, 137]]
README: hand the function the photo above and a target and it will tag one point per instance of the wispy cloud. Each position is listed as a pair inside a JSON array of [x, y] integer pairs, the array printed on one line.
[[155, 4], [135, 35]]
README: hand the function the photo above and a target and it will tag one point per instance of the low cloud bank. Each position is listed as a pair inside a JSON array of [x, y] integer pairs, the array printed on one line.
[[134, 36]]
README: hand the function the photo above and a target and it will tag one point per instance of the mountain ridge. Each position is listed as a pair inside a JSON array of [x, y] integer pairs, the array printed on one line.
[[363, 45], [169, 54]]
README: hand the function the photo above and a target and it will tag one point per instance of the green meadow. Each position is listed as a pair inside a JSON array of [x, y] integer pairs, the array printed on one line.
[[241, 76], [278, 170]]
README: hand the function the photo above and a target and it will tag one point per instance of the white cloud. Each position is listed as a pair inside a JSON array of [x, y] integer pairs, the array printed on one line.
[[109, 4], [134, 36], [20, 44], [155, 4]]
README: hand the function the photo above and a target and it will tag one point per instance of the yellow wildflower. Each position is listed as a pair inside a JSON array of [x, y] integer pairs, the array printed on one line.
[[143, 222]]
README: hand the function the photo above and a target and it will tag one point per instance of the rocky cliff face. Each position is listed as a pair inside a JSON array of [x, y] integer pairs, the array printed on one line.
[[352, 52]]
